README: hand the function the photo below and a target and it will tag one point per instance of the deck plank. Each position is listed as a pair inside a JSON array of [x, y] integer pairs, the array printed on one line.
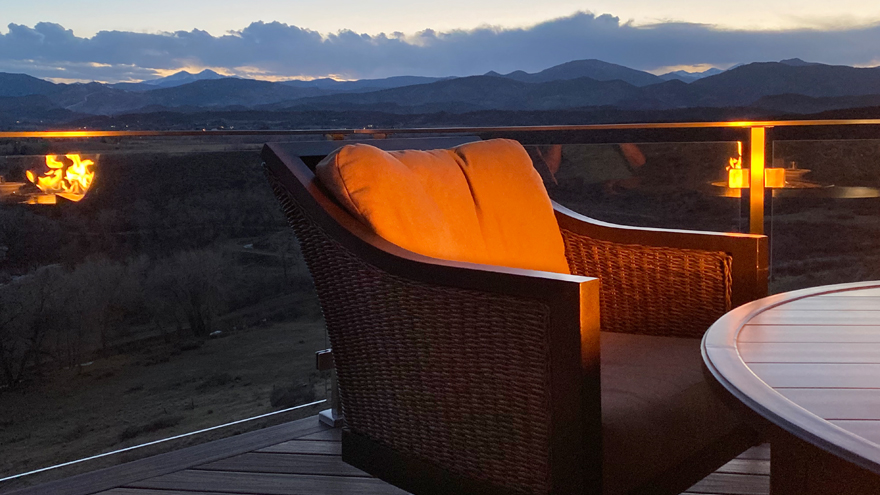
[[148, 491], [732, 484], [255, 462], [760, 452], [307, 461], [746, 466], [328, 435], [116, 476], [304, 447], [267, 484]]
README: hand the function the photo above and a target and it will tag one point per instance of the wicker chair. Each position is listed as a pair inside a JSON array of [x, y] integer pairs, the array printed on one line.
[[463, 378]]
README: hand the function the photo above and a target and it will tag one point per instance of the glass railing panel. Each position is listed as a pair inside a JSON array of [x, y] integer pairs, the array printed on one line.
[[824, 225], [168, 298], [171, 298], [665, 185]]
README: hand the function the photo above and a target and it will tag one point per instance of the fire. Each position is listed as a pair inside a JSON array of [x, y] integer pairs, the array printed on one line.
[[737, 177], [736, 161], [70, 178]]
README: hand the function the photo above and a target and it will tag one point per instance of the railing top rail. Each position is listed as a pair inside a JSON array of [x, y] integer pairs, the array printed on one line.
[[443, 130]]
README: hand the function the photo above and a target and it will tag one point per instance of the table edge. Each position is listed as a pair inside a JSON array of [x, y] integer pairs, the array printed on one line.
[[723, 361]]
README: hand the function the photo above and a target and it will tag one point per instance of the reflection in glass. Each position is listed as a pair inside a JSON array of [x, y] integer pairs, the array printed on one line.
[[165, 297]]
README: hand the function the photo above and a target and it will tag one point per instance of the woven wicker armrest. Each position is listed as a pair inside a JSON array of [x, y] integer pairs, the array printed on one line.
[[460, 376], [664, 282], [451, 367]]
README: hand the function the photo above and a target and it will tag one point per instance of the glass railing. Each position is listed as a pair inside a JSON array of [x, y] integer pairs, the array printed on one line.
[[149, 288], [824, 226], [813, 187], [171, 298], [663, 185]]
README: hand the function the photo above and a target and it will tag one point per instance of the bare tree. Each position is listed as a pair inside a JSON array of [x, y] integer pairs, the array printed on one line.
[[30, 239], [191, 285], [36, 312], [100, 293], [11, 310]]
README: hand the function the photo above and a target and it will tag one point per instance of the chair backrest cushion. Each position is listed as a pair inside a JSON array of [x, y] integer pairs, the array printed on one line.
[[481, 202]]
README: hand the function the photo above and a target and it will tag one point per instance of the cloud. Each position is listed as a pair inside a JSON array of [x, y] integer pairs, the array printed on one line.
[[276, 50], [68, 72]]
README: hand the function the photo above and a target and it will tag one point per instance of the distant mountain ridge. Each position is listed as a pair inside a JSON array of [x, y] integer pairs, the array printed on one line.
[[792, 86], [748, 83], [592, 68], [796, 62], [483, 93], [689, 77], [176, 79], [364, 85], [183, 77], [742, 86], [24, 85]]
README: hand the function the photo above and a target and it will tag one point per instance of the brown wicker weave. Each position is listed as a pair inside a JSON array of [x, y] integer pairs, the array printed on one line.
[[461, 378], [410, 354], [654, 290]]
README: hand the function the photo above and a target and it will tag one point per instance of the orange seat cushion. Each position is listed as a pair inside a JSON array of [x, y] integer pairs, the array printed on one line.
[[481, 202]]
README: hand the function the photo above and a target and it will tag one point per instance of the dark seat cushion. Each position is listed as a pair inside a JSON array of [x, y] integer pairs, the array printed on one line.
[[657, 409]]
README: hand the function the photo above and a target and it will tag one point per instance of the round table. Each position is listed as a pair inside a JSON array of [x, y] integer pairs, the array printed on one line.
[[808, 363]]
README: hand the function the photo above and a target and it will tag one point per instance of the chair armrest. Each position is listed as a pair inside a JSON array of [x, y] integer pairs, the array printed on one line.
[[661, 281], [455, 374]]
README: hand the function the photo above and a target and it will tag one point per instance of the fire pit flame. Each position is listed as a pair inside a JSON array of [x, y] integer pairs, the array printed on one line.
[[737, 177], [69, 178]]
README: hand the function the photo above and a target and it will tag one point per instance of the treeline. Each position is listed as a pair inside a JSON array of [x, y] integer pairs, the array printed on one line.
[[60, 317], [163, 247], [151, 203]]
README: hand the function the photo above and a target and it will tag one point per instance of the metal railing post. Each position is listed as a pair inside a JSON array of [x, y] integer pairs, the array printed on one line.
[[757, 151], [333, 416]]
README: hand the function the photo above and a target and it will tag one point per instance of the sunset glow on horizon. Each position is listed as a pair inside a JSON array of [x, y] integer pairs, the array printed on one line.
[[219, 17], [277, 40]]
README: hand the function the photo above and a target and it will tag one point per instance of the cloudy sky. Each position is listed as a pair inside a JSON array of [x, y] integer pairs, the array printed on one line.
[[121, 40]]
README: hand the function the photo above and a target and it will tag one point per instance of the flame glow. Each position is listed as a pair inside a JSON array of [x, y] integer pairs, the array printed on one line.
[[736, 162], [737, 177], [70, 178]]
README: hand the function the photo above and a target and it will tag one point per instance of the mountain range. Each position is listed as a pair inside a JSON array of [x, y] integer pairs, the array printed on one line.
[[786, 87], [176, 79], [688, 77]]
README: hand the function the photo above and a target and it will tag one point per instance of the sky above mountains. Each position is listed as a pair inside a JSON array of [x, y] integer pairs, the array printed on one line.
[[347, 39]]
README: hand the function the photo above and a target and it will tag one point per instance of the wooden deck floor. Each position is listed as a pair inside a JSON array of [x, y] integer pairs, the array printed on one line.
[[303, 457]]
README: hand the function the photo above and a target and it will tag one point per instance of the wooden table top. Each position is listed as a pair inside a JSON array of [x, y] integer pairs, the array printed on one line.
[[808, 361]]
